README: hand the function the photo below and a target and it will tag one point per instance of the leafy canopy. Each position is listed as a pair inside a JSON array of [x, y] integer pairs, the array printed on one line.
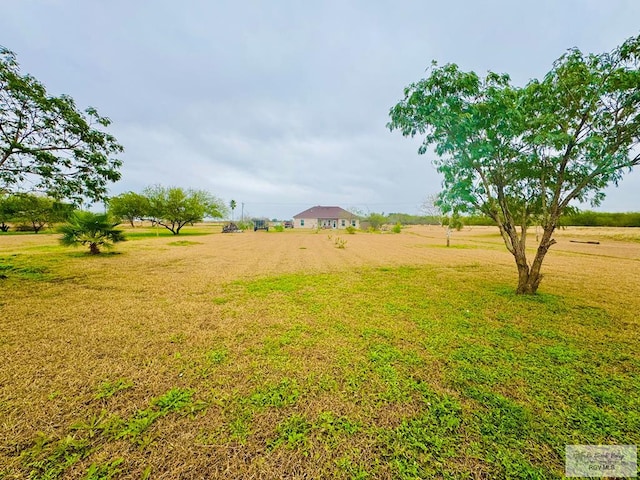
[[174, 207], [129, 206], [47, 144], [523, 154], [37, 211]]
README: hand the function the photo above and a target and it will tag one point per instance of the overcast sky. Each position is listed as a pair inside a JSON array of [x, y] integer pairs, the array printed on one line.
[[282, 105]]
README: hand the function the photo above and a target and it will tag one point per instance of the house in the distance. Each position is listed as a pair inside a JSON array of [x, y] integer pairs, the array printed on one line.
[[325, 217]]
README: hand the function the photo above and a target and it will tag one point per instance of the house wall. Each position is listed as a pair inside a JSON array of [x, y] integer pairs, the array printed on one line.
[[308, 223], [312, 223]]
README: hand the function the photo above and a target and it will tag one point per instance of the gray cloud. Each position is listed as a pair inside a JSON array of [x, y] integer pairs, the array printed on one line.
[[283, 105]]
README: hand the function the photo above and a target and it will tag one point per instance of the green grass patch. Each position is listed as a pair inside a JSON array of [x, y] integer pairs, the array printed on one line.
[[386, 372]]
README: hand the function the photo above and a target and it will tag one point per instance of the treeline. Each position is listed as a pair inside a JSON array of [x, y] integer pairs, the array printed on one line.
[[585, 218], [31, 213], [601, 219], [169, 207], [406, 219]]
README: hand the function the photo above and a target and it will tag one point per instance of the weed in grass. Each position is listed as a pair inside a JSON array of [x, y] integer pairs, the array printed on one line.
[[175, 399], [340, 243], [500, 418], [217, 356], [421, 446], [513, 464], [54, 395], [353, 470], [138, 424], [329, 425], [49, 459], [108, 389], [146, 473], [106, 471], [286, 392], [240, 426], [96, 425], [292, 433]]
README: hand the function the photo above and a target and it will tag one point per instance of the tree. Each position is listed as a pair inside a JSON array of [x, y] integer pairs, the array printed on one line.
[[47, 143], [7, 211], [91, 229], [39, 211], [376, 220], [523, 154], [232, 205], [431, 208], [173, 207], [129, 206]]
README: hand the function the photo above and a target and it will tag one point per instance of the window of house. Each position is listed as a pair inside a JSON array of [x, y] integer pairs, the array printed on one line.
[[343, 222], [353, 223], [302, 222]]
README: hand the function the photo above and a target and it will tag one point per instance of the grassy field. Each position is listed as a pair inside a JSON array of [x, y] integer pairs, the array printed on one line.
[[314, 355]]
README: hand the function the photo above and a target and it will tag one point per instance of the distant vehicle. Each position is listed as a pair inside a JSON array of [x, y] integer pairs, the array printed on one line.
[[230, 228], [260, 224], [287, 224]]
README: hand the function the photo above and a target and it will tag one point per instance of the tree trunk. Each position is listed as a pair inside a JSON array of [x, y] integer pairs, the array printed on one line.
[[528, 281], [529, 278], [93, 249]]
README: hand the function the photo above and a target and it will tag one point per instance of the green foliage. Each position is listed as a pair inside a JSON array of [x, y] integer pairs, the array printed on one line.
[[375, 220], [524, 155], [109, 389], [174, 399], [47, 143], [217, 356], [8, 211], [397, 228], [31, 212], [106, 471], [91, 229], [245, 225], [351, 230], [279, 228], [407, 219], [48, 460], [129, 206], [601, 219], [284, 393], [174, 207], [292, 433]]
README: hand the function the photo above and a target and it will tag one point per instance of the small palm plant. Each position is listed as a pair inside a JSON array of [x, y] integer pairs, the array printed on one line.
[[92, 229]]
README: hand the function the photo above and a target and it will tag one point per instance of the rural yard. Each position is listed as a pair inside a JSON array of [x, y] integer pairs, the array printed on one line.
[[282, 355]]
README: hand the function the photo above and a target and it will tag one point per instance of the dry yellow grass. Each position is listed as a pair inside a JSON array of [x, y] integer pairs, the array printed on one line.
[[150, 312]]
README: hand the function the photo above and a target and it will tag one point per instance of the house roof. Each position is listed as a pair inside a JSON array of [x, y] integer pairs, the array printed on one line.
[[324, 212]]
